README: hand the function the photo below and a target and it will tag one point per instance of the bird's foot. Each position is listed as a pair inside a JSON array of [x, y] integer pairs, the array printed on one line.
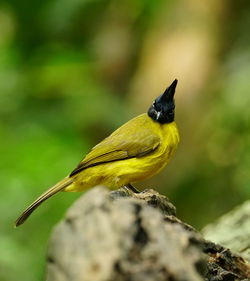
[[130, 187]]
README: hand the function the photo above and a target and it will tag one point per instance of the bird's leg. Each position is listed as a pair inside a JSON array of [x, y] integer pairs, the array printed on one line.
[[132, 188], [126, 189]]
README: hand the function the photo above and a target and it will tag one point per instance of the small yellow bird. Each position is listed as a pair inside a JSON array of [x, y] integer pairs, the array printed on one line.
[[136, 151]]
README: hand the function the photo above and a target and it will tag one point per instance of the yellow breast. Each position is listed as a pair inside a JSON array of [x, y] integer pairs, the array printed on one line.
[[138, 169]]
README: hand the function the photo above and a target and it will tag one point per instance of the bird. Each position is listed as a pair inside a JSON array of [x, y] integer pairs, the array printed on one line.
[[137, 150]]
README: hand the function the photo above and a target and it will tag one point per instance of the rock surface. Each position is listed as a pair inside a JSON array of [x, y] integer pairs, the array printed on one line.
[[122, 236], [232, 230]]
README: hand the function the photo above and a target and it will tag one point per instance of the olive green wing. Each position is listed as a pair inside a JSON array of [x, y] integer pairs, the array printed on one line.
[[125, 143]]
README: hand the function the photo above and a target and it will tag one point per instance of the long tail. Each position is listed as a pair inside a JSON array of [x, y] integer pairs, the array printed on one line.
[[47, 194]]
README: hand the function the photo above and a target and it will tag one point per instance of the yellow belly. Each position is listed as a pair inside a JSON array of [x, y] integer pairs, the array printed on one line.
[[120, 173]]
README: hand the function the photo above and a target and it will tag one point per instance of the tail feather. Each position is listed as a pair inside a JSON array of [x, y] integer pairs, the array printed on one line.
[[47, 194]]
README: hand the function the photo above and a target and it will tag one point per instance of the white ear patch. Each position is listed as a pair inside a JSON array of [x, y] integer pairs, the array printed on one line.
[[158, 115]]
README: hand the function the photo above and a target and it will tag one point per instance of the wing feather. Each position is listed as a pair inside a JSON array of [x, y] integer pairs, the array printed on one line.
[[133, 140]]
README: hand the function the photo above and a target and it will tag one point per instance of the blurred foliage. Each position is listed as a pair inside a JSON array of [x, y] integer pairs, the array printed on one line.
[[73, 71]]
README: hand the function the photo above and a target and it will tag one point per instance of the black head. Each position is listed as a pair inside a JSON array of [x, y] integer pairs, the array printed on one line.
[[162, 109]]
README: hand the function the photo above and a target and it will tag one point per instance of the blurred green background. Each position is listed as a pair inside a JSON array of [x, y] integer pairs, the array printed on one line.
[[73, 71]]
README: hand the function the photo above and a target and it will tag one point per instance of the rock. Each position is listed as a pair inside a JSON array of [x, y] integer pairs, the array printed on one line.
[[122, 236], [232, 230]]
